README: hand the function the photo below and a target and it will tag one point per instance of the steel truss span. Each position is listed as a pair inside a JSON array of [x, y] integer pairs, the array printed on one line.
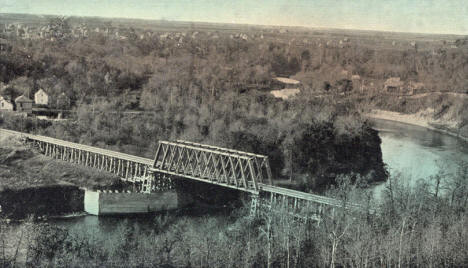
[[211, 164], [239, 170]]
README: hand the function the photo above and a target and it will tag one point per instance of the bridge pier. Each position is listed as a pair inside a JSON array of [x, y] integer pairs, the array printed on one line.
[[211, 165], [149, 194], [116, 203]]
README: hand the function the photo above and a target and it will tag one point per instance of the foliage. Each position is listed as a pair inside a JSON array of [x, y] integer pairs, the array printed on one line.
[[406, 227]]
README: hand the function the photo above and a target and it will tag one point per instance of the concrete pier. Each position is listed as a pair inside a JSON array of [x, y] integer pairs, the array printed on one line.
[[114, 203]]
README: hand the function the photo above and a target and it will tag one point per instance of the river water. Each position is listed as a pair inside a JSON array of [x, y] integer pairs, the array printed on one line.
[[413, 151], [417, 153]]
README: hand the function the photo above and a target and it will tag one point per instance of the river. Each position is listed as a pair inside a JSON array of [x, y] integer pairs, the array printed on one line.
[[417, 153], [413, 151]]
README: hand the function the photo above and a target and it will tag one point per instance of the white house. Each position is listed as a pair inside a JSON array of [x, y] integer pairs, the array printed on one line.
[[6, 104], [41, 97]]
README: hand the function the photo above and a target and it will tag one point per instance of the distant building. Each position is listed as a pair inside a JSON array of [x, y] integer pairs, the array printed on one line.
[[41, 97], [6, 104], [393, 85], [23, 104], [415, 87]]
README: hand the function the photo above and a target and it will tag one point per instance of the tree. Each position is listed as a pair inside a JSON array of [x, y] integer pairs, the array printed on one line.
[[59, 28], [458, 187], [294, 66], [305, 56], [280, 65], [344, 85], [326, 86]]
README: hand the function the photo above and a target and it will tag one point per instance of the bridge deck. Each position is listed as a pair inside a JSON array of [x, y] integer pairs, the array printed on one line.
[[305, 196], [149, 164], [96, 150]]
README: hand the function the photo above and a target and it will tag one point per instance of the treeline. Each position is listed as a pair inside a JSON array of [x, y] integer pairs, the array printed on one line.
[[200, 89], [420, 226], [99, 65], [306, 142]]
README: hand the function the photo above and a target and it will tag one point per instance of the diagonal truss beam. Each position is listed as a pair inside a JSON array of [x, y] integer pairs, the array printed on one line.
[[261, 164], [211, 164]]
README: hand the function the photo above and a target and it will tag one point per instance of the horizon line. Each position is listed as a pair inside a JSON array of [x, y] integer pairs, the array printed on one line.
[[240, 24]]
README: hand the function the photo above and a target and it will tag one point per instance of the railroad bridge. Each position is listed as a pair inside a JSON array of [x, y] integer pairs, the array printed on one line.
[[229, 168]]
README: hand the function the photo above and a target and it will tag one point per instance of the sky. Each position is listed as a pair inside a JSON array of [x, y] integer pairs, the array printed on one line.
[[419, 16]]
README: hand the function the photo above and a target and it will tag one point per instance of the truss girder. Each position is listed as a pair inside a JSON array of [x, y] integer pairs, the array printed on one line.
[[260, 163], [211, 164], [226, 167]]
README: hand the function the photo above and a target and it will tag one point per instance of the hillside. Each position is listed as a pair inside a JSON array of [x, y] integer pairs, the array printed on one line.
[[211, 85], [22, 168]]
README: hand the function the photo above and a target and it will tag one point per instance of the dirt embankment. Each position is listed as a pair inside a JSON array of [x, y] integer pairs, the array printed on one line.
[[33, 184], [442, 111], [422, 119], [22, 167]]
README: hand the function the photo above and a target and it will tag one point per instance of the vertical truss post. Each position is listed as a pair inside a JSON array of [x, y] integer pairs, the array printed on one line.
[[267, 166], [252, 171], [158, 150], [254, 199]]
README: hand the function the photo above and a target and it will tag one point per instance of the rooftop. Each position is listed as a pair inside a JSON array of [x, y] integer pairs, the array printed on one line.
[[393, 82], [23, 98], [40, 91]]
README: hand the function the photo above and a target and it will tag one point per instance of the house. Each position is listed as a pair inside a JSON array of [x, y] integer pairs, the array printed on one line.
[[41, 97], [6, 104], [415, 87], [23, 104], [393, 85]]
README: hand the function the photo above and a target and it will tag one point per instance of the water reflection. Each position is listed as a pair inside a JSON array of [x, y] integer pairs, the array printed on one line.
[[107, 225]]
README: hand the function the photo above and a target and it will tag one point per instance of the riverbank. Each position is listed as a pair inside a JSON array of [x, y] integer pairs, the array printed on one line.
[[32, 184], [421, 119], [44, 201]]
